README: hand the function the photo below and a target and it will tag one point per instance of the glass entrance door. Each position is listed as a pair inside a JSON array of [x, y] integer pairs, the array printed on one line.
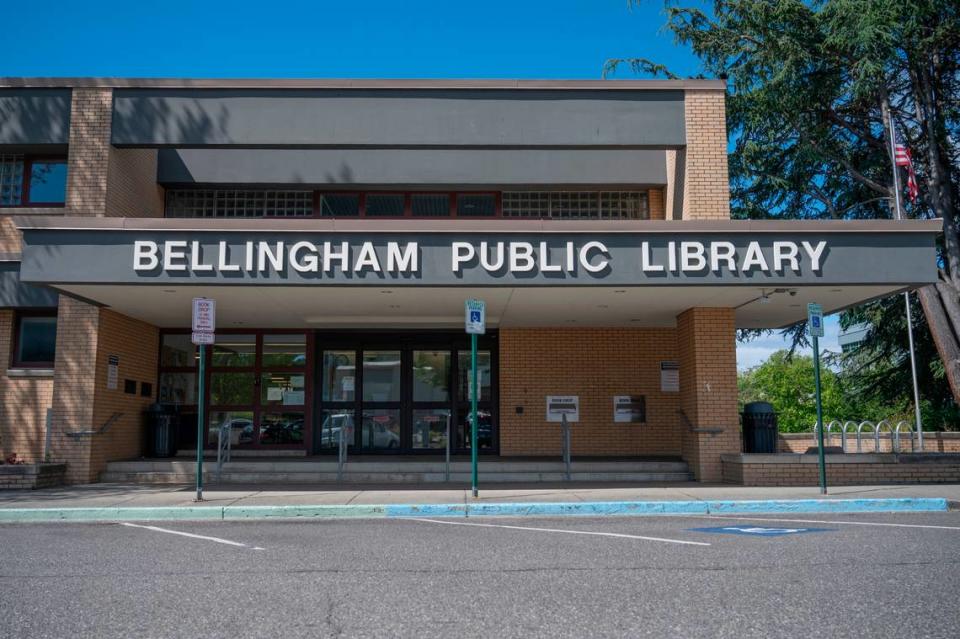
[[400, 394]]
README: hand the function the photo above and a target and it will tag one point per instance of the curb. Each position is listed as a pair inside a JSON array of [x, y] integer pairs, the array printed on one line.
[[399, 511]]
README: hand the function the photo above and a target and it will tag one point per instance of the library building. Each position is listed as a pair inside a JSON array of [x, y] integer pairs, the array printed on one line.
[[340, 226]]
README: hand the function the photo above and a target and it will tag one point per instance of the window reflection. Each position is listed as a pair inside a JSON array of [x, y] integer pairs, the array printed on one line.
[[284, 350], [381, 428], [339, 376], [178, 388], [238, 423], [431, 376], [381, 376], [235, 350], [430, 428], [332, 424], [231, 389], [177, 350], [484, 428], [281, 428], [282, 389]]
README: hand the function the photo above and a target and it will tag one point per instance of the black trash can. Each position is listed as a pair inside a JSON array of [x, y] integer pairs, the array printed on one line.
[[759, 428], [163, 422]]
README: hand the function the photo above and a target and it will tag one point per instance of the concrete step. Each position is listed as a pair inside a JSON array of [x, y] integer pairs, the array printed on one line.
[[233, 477]]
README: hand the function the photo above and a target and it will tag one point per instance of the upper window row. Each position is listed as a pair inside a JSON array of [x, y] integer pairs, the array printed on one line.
[[226, 203], [32, 181]]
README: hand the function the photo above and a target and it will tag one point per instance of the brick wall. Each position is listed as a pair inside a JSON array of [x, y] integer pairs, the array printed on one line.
[[596, 364], [655, 202], [132, 189], [933, 442], [842, 470], [706, 342], [23, 402], [706, 186], [88, 158]]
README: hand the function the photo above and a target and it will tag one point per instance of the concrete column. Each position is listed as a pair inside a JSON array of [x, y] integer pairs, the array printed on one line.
[[706, 343]]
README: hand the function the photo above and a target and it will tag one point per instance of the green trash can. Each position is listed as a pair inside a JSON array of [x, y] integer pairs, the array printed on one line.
[[759, 428], [163, 421]]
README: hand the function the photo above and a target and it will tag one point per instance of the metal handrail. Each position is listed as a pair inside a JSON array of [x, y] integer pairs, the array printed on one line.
[[224, 446], [77, 434], [447, 467]]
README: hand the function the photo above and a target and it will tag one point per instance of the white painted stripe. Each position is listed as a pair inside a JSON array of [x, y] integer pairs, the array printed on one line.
[[825, 521], [569, 532], [191, 535]]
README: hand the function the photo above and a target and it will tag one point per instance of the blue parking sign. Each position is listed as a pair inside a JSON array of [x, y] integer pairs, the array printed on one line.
[[475, 318]]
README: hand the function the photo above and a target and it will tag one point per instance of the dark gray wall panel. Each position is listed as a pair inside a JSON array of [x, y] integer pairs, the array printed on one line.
[[365, 167], [398, 117], [15, 294], [34, 116]]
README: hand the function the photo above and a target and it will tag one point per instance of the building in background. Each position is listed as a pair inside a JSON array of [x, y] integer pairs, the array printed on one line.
[[340, 225]]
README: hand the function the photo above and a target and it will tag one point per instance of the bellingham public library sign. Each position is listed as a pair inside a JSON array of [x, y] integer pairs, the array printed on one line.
[[473, 259]]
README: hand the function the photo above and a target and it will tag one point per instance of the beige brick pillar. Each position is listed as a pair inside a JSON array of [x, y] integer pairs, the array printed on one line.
[[702, 166], [706, 343], [88, 156]]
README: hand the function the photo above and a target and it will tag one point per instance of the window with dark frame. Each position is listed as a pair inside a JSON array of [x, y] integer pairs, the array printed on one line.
[[35, 340], [32, 180]]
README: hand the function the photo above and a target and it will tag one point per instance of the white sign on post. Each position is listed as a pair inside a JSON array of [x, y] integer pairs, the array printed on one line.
[[814, 320], [204, 320], [560, 405], [475, 317]]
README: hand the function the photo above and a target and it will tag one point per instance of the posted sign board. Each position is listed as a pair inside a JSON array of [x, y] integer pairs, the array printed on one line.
[[475, 317], [204, 320], [814, 320], [560, 405], [629, 409]]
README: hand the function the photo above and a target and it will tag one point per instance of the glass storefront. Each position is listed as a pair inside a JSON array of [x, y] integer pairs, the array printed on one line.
[[382, 393]]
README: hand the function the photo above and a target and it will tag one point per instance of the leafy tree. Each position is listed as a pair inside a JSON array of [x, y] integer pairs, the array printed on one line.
[[787, 382], [810, 84]]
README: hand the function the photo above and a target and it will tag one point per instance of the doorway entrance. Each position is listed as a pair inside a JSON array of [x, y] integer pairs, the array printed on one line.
[[395, 392]]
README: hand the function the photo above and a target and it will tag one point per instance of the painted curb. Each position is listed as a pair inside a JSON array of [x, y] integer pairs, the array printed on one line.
[[399, 511]]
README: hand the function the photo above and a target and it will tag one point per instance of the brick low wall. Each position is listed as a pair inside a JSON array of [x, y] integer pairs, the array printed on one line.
[[30, 476], [933, 442], [787, 469]]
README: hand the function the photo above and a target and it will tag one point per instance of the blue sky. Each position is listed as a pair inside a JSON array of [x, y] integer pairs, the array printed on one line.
[[372, 39]]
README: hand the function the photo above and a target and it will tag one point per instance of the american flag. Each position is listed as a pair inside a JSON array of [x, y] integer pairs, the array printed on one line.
[[902, 157]]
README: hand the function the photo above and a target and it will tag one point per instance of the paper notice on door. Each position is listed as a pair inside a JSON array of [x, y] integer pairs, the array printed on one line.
[[293, 398], [274, 394]]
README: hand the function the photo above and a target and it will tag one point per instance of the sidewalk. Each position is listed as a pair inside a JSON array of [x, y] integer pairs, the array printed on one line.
[[120, 502]]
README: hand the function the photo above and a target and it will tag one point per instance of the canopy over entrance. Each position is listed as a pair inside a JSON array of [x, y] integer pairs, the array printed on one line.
[[415, 273]]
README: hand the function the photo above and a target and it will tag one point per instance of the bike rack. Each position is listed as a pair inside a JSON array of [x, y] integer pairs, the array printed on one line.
[[873, 429], [896, 435], [841, 429]]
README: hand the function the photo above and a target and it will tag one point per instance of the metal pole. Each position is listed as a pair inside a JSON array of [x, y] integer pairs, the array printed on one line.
[[473, 413], [46, 441], [816, 382], [447, 470], [200, 421], [898, 211], [565, 426]]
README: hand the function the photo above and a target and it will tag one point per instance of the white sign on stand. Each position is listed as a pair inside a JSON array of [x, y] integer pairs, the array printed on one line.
[[475, 317], [204, 320], [814, 320], [560, 405]]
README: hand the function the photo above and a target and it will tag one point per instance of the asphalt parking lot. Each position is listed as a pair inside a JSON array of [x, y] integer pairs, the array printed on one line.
[[878, 575]]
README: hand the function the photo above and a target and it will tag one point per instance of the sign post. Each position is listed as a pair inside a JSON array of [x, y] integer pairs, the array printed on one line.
[[204, 324], [476, 324], [815, 329]]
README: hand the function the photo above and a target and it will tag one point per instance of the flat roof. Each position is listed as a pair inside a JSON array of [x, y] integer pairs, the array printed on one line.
[[348, 83]]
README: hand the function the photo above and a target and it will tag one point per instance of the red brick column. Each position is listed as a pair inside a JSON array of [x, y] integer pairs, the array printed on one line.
[[706, 342]]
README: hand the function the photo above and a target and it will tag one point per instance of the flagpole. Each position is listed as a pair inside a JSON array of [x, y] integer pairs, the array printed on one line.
[[888, 116]]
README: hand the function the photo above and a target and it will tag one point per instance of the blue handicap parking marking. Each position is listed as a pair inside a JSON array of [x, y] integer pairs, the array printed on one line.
[[759, 531]]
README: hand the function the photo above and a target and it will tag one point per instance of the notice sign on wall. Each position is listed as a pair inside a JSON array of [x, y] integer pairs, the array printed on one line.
[[669, 377], [113, 372], [560, 405], [629, 409]]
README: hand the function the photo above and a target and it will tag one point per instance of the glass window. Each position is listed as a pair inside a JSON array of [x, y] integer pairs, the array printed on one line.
[[177, 351], [239, 424], [178, 388], [332, 424], [381, 376], [339, 376], [48, 182], [284, 350], [11, 180], [431, 376], [340, 205], [430, 205], [238, 203], [381, 205], [484, 429], [465, 375], [430, 428], [235, 350], [282, 389], [231, 389], [476, 205], [381, 428], [36, 340], [281, 428]]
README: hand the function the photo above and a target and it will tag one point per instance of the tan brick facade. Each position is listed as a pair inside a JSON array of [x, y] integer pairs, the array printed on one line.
[[706, 342], [24, 401], [706, 183], [596, 364], [842, 470], [656, 205]]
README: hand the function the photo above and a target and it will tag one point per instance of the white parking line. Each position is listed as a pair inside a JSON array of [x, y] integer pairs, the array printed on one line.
[[569, 532], [824, 521], [186, 534]]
